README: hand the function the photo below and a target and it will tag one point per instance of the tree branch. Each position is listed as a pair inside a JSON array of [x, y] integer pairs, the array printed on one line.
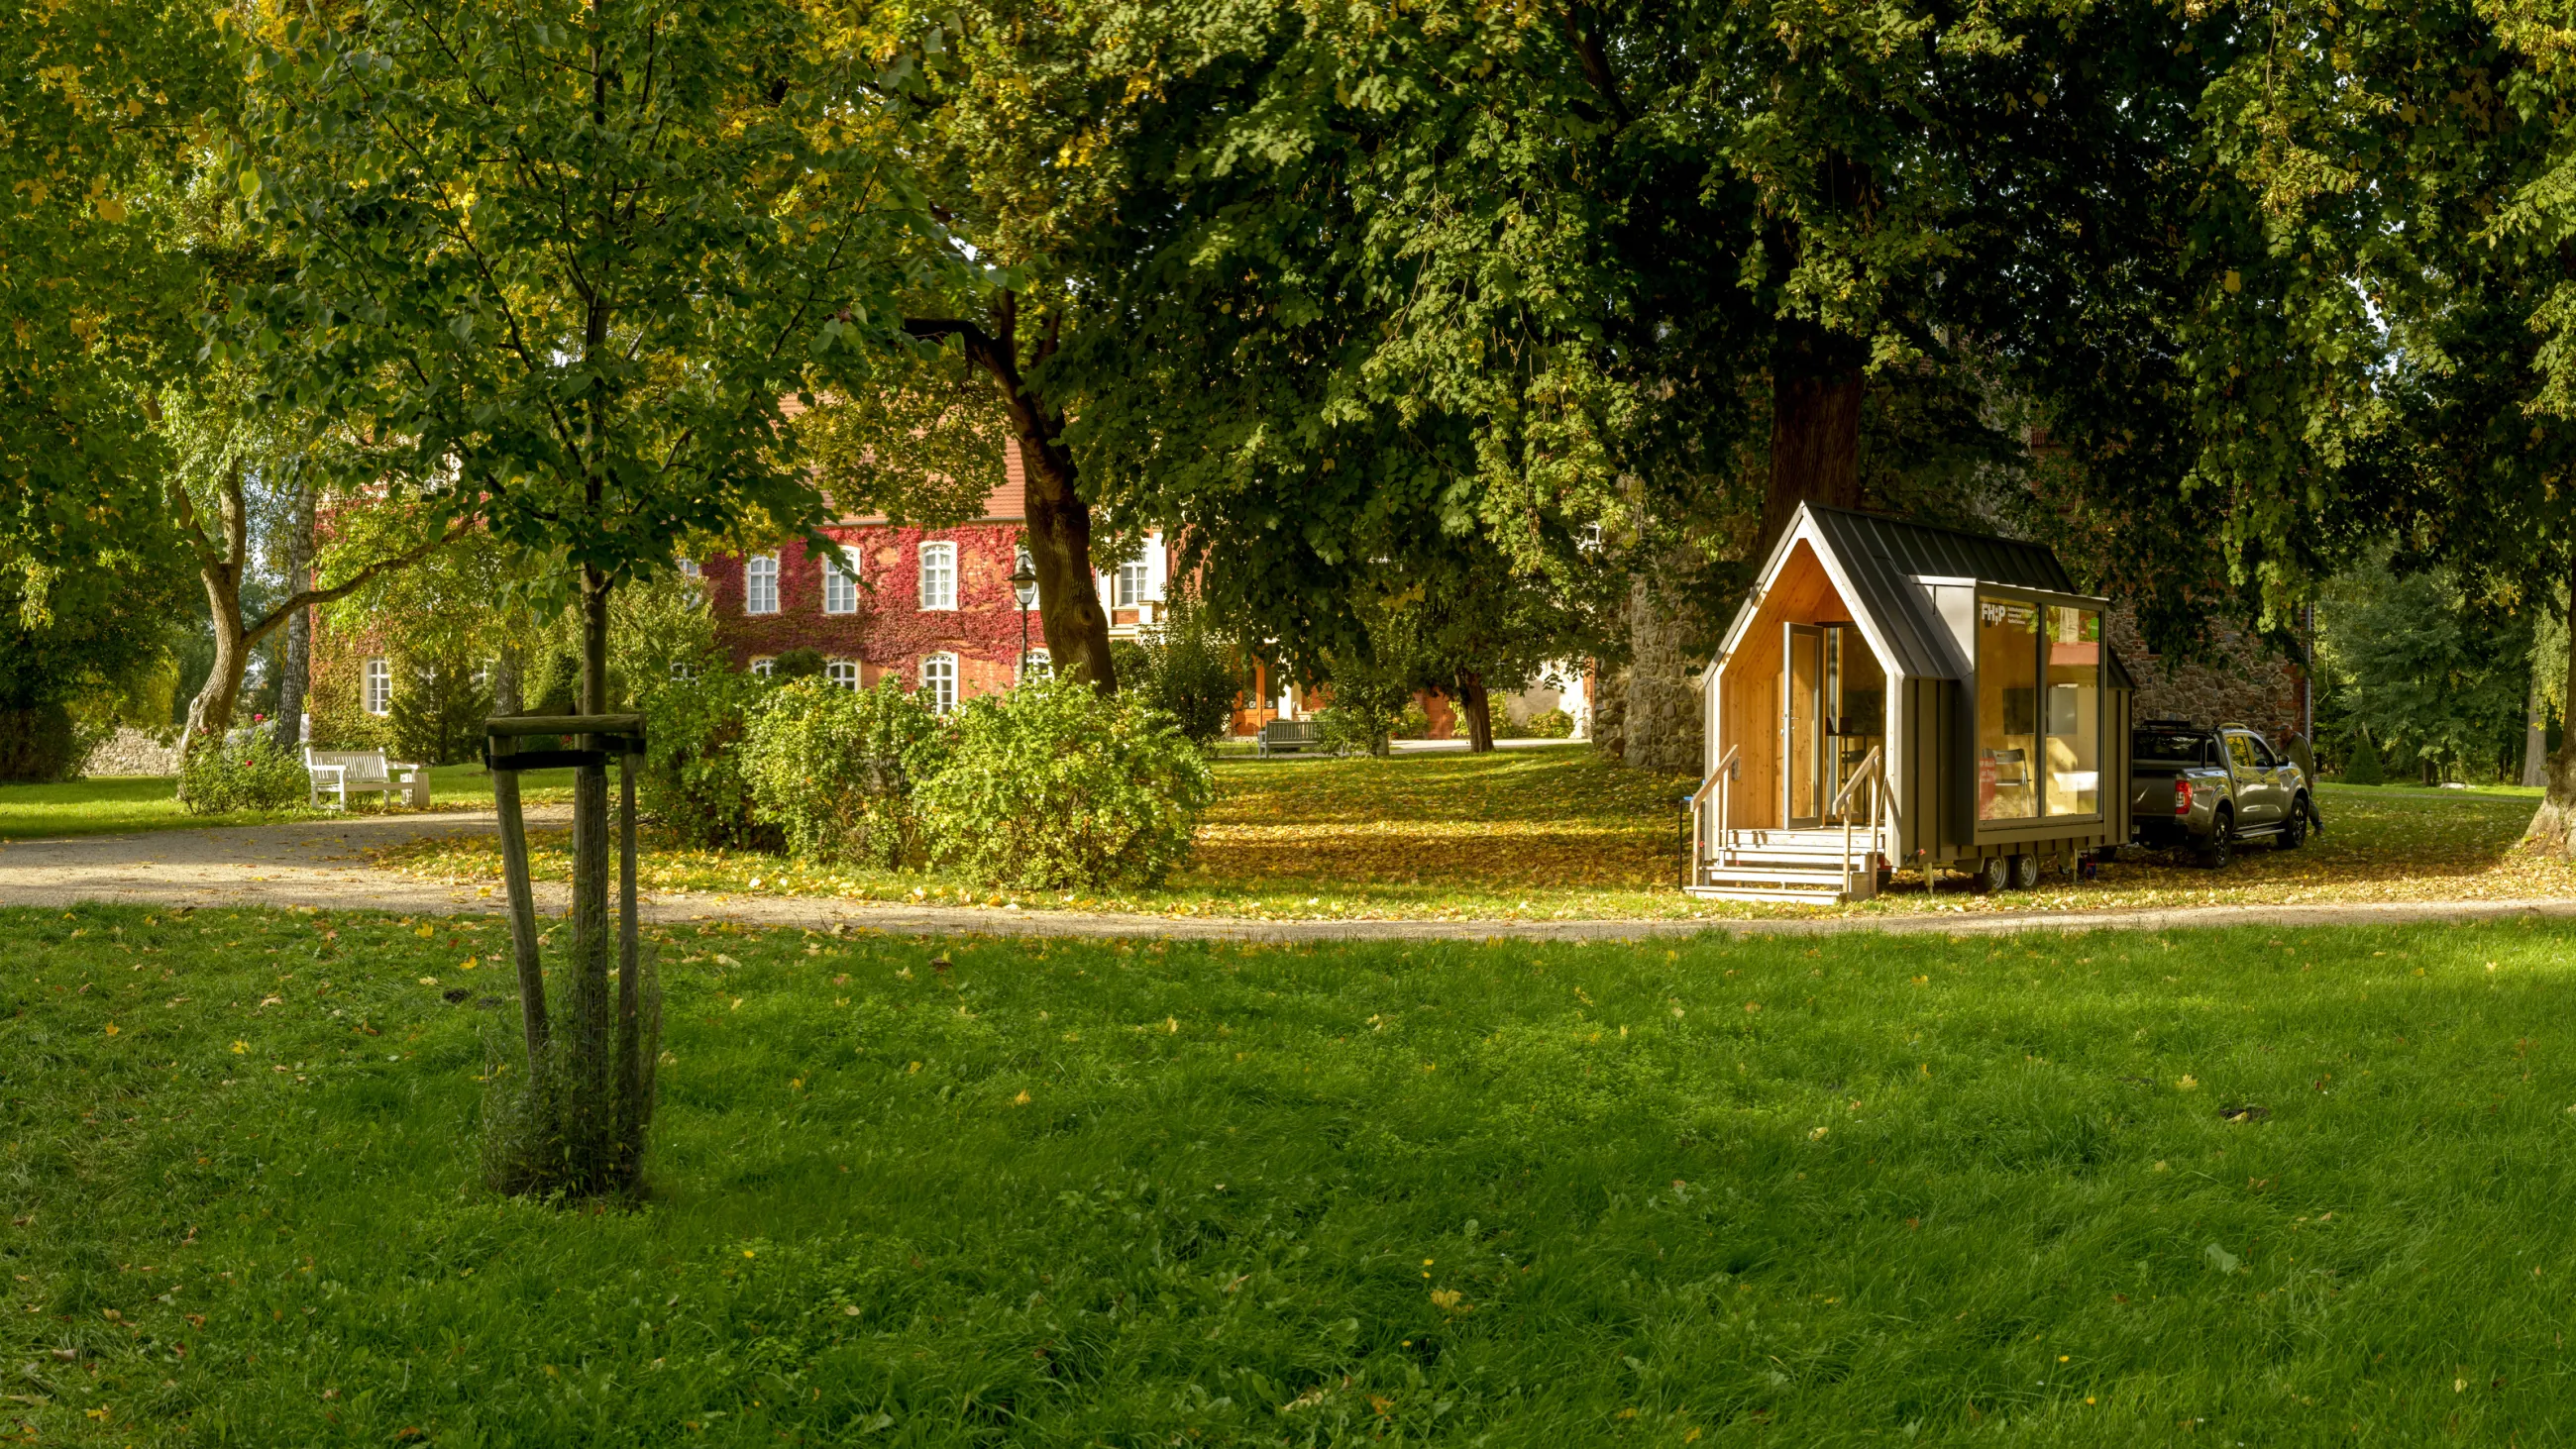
[[306, 599], [1596, 66]]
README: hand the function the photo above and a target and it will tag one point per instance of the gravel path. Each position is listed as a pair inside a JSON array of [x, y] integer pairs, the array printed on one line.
[[321, 864]]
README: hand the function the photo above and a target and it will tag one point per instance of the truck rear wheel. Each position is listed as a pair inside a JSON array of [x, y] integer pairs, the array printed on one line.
[[2294, 831], [2219, 851]]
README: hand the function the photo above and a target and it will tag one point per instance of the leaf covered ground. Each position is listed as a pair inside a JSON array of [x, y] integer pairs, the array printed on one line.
[[1563, 833], [2207, 1187]]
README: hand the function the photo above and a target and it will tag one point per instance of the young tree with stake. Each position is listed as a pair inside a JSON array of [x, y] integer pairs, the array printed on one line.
[[574, 253]]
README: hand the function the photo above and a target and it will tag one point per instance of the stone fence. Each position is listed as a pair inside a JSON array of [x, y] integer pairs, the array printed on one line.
[[132, 752]]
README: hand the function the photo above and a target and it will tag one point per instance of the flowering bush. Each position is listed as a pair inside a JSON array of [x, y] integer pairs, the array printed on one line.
[[835, 769], [249, 770], [1053, 785]]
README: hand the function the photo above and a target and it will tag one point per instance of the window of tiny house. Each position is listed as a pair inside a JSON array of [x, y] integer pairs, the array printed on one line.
[[2038, 747]]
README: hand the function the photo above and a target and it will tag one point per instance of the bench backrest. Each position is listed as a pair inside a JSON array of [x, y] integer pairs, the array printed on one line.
[[363, 766], [1289, 731]]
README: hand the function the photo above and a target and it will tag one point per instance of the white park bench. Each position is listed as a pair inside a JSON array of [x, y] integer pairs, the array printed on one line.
[[338, 772]]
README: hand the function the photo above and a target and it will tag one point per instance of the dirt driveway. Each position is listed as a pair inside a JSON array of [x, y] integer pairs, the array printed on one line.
[[322, 864]]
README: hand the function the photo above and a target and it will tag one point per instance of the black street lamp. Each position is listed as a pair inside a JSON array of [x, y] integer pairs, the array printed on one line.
[[1024, 582]]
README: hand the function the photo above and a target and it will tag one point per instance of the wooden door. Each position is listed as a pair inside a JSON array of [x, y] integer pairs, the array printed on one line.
[[1802, 718]]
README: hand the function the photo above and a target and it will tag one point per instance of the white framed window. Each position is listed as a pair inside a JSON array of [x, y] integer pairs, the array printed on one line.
[[843, 672], [683, 670], [378, 695], [689, 569], [840, 584], [1039, 665], [760, 584], [939, 681], [1139, 581], [939, 576], [762, 664]]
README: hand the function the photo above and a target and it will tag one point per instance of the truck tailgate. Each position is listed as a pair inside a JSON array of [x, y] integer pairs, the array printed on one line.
[[2151, 789]]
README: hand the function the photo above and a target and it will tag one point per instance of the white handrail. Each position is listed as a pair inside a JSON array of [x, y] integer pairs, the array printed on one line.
[[1872, 769], [1716, 780]]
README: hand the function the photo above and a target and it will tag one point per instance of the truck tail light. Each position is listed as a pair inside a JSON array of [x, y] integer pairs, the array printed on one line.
[[2182, 797]]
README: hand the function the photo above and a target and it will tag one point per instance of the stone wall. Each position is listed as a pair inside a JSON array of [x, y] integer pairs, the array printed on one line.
[[1659, 714], [2241, 681], [132, 752]]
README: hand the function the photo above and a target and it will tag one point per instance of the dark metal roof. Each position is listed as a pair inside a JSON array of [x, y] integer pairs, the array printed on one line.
[[1883, 556], [1907, 548]]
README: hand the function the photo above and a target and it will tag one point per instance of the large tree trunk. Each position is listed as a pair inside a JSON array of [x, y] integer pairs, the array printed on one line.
[[1059, 522], [2535, 735], [1476, 706], [507, 672], [1059, 538], [210, 714], [2553, 825], [1816, 387], [295, 664]]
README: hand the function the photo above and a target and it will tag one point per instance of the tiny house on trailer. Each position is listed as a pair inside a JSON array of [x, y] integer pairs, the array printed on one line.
[[1896, 694]]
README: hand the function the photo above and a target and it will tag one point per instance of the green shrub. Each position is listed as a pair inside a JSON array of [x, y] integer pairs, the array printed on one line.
[[41, 744], [249, 770], [437, 716], [1550, 724], [2364, 768], [1195, 677], [798, 663], [1414, 723], [692, 780], [1053, 785], [1349, 731], [1367, 707], [835, 770]]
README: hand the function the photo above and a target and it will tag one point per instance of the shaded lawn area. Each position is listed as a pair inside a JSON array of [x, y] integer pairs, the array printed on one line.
[[112, 805], [1564, 833], [1725, 1192]]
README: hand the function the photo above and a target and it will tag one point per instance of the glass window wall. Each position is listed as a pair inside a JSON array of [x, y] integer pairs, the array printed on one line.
[[2007, 709], [2039, 710], [2074, 711]]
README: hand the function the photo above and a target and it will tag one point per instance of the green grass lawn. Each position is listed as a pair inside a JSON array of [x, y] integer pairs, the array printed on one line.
[[1870, 1190], [114, 804]]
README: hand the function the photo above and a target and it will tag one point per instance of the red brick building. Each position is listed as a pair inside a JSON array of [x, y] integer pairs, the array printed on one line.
[[933, 607]]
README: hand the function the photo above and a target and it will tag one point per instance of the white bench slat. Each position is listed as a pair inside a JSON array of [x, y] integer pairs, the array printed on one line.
[[340, 771]]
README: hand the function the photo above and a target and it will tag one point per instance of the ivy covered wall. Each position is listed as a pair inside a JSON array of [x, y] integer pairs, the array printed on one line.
[[890, 632]]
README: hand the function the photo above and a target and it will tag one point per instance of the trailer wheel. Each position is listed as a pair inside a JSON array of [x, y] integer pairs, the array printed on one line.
[[1994, 873], [2025, 872]]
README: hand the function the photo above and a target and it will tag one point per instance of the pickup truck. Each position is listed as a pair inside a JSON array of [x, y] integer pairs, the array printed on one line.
[[2212, 789]]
